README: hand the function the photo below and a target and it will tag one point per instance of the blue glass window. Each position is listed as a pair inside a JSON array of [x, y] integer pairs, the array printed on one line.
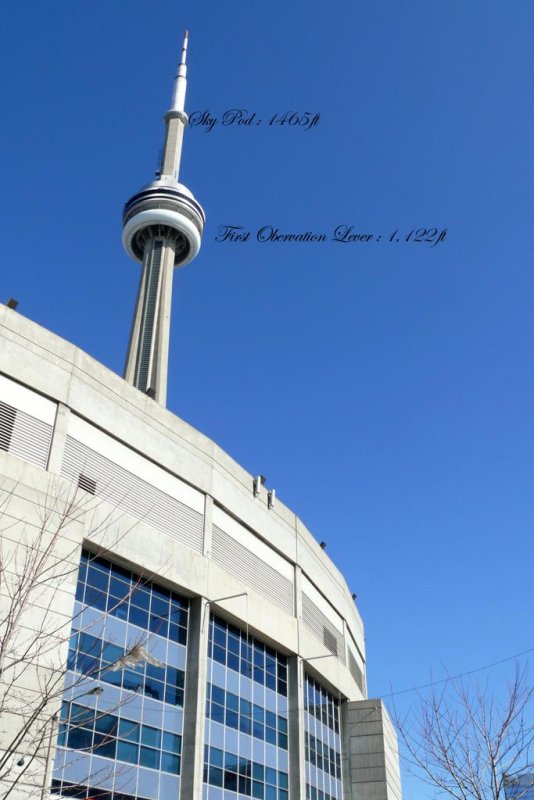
[[241, 653], [128, 752], [129, 730], [67, 789], [237, 704], [244, 776], [322, 743], [113, 737], [149, 758], [139, 604], [125, 595], [170, 763], [171, 742], [95, 656], [226, 707]]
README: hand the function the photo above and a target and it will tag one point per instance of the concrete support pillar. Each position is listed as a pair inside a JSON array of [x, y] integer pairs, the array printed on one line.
[[172, 152], [148, 353], [370, 752], [195, 701], [297, 773], [129, 368], [59, 436]]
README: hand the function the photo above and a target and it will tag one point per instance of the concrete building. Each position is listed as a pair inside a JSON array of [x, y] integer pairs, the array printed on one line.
[[189, 636]]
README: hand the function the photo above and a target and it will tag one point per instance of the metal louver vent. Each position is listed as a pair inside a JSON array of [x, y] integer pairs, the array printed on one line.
[[320, 626], [24, 436], [7, 423], [131, 494], [87, 484], [356, 672], [329, 641], [252, 570]]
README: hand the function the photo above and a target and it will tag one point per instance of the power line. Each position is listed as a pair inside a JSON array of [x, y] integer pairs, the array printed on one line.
[[460, 675]]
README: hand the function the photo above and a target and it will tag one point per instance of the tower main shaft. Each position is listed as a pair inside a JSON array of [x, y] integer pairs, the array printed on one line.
[[162, 228]]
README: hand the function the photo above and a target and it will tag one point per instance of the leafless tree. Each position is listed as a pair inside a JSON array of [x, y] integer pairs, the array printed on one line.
[[466, 742], [39, 558]]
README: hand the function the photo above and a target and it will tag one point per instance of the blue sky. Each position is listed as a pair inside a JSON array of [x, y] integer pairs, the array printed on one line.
[[384, 388]]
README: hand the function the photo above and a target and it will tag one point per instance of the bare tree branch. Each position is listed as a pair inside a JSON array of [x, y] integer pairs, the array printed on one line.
[[38, 556], [466, 743]]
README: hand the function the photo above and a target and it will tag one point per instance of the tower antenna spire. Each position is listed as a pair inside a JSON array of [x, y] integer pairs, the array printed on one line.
[[162, 229], [180, 81], [176, 119]]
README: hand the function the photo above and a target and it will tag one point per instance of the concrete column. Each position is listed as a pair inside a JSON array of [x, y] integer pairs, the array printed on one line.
[[157, 380], [195, 701], [297, 773], [348, 793], [133, 343], [59, 437], [370, 752], [170, 163], [148, 354]]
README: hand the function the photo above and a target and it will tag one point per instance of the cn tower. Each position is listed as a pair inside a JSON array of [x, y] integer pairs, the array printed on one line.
[[162, 229]]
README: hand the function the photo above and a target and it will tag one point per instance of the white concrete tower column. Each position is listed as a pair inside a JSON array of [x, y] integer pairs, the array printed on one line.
[[162, 229], [297, 763], [195, 700]]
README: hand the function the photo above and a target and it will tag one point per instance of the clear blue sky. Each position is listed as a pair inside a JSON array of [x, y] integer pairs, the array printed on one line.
[[385, 389]]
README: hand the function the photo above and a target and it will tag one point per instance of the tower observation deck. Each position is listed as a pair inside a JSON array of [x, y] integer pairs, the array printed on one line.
[[162, 229]]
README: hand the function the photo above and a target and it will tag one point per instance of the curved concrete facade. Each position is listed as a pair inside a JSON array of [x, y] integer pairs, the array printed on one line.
[[171, 506], [87, 392], [162, 500]]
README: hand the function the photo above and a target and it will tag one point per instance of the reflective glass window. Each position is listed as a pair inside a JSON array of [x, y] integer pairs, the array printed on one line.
[[322, 743], [249, 697]]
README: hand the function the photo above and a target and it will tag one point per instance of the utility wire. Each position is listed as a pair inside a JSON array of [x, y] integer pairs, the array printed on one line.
[[460, 675]]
